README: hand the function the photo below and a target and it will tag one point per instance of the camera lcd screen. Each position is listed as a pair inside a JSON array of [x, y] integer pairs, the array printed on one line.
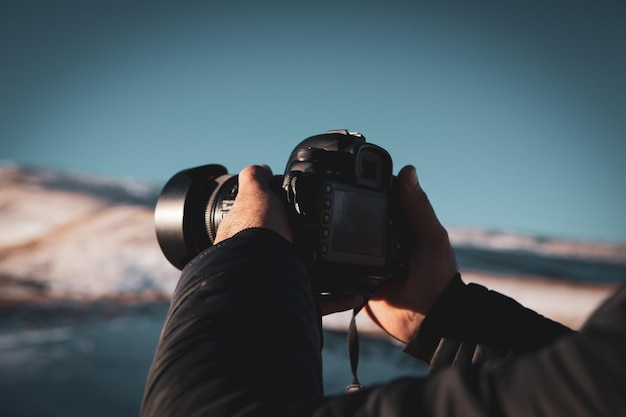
[[359, 223]]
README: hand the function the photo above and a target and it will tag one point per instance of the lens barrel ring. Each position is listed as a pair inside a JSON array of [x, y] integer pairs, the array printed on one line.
[[210, 211]]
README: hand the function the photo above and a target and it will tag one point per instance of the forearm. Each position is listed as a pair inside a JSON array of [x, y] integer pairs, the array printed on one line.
[[470, 317], [242, 315], [581, 374]]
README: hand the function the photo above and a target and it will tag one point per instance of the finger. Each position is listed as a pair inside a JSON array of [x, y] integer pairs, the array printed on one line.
[[258, 204], [253, 206], [253, 177], [334, 303], [415, 202]]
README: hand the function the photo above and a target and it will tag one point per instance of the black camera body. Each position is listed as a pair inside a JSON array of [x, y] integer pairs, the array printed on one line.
[[341, 197]]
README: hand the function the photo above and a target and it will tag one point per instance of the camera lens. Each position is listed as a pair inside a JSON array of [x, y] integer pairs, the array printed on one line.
[[189, 210], [220, 202]]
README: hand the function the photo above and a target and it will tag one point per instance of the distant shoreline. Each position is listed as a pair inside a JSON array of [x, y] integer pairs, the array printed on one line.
[[78, 244]]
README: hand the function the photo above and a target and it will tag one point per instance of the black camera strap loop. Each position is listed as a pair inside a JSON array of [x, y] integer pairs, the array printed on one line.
[[353, 353]]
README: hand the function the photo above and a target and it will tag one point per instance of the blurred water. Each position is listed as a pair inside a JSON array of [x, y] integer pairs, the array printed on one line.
[[92, 360], [76, 366], [64, 363]]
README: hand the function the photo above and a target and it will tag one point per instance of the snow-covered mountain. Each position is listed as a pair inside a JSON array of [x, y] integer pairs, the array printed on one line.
[[67, 237]]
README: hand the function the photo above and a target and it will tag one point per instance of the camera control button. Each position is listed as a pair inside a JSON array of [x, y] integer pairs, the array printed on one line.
[[325, 218], [328, 188], [327, 203], [324, 248], [398, 248], [325, 233]]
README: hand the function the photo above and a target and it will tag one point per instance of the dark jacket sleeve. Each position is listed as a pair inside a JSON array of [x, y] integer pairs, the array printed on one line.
[[470, 324], [242, 337], [580, 374]]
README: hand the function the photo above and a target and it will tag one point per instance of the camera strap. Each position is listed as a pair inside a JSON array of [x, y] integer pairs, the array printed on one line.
[[353, 353]]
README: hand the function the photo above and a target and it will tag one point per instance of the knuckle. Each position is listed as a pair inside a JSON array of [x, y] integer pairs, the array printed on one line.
[[255, 172]]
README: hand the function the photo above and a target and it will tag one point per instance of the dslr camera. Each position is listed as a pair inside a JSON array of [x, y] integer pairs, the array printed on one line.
[[341, 198]]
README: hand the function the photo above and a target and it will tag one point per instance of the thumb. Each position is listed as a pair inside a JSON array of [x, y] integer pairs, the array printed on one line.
[[416, 205]]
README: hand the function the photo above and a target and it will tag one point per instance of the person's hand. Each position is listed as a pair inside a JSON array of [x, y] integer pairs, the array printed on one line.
[[257, 206], [399, 307]]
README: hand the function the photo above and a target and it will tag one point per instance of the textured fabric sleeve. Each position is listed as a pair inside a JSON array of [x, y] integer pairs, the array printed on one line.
[[470, 324], [242, 335], [581, 374], [242, 338]]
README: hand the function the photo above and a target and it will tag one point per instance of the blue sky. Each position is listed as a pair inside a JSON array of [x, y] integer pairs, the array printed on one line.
[[515, 115]]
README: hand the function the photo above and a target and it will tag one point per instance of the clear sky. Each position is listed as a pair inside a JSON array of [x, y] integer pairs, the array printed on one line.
[[514, 113]]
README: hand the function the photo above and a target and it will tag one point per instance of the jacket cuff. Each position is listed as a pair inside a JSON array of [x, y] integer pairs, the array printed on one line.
[[425, 341], [474, 315], [265, 237]]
